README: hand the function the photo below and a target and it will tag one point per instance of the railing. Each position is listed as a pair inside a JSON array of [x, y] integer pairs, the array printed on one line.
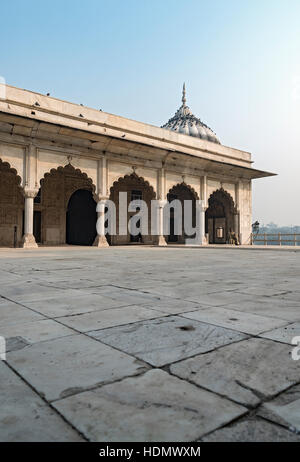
[[275, 239]]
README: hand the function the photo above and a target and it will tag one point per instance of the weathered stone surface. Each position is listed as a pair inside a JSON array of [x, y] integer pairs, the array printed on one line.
[[284, 334], [261, 290], [11, 313], [245, 371], [127, 297], [243, 322], [151, 407], [170, 305], [284, 409], [215, 276], [270, 307], [251, 431], [64, 366], [38, 331], [71, 303], [13, 344], [24, 416], [27, 291], [109, 318], [165, 340]]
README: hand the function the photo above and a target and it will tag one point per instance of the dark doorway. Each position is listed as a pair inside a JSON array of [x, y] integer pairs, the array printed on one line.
[[219, 217], [136, 195], [172, 237], [183, 193], [81, 218], [37, 225]]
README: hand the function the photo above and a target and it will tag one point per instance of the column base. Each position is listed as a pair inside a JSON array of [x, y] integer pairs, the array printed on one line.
[[161, 241], [100, 241], [28, 242], [204, 240]]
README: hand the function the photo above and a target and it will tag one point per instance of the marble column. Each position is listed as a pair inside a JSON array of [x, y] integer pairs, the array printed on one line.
[[236, 218], [161, 238], [101, 240], [28, 240], [202, 211]]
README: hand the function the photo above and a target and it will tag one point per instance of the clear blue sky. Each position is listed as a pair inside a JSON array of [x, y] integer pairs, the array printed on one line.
[[240, 60]]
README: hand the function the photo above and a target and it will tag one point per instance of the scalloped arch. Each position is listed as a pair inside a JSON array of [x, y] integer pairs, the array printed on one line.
[[187, 186], [221, 194], [73, 171], [5, 167], [133, 176]]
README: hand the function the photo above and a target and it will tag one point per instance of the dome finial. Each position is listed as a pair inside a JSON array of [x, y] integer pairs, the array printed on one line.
[[183, 95]]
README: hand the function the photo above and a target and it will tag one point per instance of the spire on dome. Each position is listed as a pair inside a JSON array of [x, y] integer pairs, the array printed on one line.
[[183, 95], [186, 123]]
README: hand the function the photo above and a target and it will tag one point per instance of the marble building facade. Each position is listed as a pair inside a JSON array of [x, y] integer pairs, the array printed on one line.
[[58, 159]]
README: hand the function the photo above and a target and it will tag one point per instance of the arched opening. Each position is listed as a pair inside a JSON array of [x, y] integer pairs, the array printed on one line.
[[81, 218], [219, 217], [11, 206], [136, 188], [182, 192], [53, 204]]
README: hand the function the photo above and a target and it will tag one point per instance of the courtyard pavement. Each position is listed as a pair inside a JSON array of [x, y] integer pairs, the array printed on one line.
[[149, 344]]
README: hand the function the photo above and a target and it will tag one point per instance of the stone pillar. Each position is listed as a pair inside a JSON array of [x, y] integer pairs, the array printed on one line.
[[236, 223], [203, 240], [101, 240], [203, 208], [102, 197], [161, 238], [28, 241], [161, 204]]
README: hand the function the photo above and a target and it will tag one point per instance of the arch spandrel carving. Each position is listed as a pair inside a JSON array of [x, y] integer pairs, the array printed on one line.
[[129, 180], [11, 205], [222, 195], [10, 185], [60, 183], [187, 186]]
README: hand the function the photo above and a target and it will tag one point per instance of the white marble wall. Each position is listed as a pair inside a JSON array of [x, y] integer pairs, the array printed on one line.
[[43, 160]]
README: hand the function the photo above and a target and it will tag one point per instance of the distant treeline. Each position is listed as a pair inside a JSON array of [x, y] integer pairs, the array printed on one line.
[[283, 235], [272, 228]]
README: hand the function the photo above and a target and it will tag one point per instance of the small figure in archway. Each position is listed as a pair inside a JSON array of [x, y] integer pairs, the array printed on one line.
[[233, 239]]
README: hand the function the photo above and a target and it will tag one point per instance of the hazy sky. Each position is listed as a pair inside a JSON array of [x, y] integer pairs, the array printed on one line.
[[240, 60]]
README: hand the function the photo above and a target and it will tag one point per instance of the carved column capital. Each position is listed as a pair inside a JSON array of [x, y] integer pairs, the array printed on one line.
[[100, 197], [162, 203], [30, 192]]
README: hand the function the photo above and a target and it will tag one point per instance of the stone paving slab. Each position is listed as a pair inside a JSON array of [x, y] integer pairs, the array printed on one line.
[[38, 331], [67, 365], [270, 307], [246, 372], [165, 340], [174, 283], [170, 305], [27, 292], [253, 430], [151, 407], [12, 313], [284, 334], [262, 290], [242, 322], [109, 318], [24, 416], [284, 409], [125, 296], [73, 302]]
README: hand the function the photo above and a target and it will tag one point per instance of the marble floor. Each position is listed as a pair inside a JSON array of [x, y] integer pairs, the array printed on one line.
[[149, 344]]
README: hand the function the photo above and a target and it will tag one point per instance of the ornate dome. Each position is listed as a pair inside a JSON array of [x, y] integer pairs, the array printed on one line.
[[185, 122]]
